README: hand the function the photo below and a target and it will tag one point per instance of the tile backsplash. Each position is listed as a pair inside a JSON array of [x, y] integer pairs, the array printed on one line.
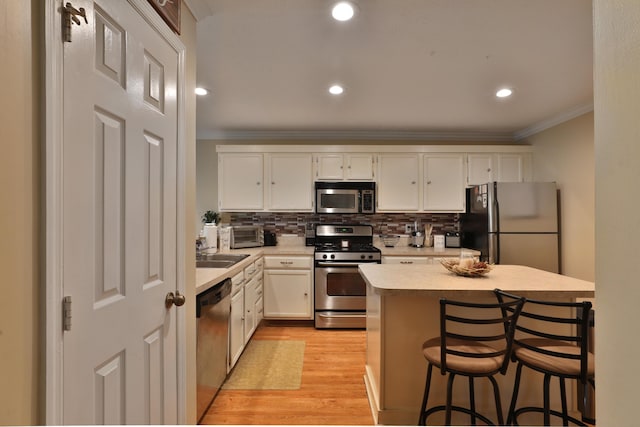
[[383, 223]]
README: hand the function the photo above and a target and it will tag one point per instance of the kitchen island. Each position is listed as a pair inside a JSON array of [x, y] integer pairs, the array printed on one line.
[[403, 312]]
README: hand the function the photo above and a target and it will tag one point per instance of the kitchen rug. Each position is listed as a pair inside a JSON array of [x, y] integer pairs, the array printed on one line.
[[268, 365]]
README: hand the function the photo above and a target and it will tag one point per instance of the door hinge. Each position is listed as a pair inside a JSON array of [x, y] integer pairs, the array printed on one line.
[[66, 313], [70, 14]]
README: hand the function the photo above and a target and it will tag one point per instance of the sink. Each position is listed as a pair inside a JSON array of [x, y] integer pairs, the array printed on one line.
[[218, 260]]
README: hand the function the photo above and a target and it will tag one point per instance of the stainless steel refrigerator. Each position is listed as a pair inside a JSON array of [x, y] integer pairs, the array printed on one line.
[[513, 223]]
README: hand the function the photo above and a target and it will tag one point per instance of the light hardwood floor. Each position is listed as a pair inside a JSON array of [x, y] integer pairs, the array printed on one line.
[[332, 390]]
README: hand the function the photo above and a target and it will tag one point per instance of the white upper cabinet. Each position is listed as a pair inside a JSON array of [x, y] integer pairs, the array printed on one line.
[[502, 167], [240, 182], [352, 166], [398, 182], [479, 168], [291, 182], [444, 179], [513, 167]]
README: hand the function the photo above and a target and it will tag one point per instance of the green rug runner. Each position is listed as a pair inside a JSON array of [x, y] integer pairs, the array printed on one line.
[[268, 365]]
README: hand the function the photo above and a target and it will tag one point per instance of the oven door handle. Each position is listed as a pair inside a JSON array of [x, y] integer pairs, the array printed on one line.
[[341, 264]]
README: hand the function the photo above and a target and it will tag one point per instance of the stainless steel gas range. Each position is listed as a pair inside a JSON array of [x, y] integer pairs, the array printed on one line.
[[340, 291]]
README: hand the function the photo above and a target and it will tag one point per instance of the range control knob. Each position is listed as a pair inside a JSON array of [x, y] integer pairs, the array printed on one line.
[[362, 256], [370, 256], [333, 256], [324, 256]]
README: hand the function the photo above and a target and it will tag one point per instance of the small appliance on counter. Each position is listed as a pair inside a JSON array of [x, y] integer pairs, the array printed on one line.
[[452, 239], [270, 238], [246, 236], [310, 235]]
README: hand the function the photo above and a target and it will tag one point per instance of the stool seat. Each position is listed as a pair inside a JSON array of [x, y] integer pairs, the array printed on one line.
[[554, 364], [479, 367]]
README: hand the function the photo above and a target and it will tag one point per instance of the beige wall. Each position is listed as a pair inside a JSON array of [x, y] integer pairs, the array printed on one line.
[[20, 166], [617, 174], [564, 154], [206, 179]]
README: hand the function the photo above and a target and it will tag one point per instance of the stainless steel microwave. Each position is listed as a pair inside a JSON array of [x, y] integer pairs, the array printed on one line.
[[345, 197]]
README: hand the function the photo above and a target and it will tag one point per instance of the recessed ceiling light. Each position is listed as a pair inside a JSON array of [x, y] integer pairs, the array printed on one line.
[[503, 93], [342, 11], [201, 91], [336, 90]]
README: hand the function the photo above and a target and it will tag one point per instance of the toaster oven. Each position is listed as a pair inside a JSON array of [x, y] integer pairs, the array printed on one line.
[[246, 236]]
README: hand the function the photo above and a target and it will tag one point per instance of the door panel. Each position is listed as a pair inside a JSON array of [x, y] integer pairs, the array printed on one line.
[[533, 250], [119, 212]]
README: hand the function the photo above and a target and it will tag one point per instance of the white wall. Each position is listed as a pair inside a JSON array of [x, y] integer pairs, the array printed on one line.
[[564, 154], [617, 174]]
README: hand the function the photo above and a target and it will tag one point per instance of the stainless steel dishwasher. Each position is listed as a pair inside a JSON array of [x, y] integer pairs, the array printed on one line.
[[212, 339]]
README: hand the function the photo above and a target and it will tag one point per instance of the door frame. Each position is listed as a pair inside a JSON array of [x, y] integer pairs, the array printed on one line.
[[51, 333]]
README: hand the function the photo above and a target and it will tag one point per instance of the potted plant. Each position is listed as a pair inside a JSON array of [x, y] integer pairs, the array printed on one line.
[[210, 217]]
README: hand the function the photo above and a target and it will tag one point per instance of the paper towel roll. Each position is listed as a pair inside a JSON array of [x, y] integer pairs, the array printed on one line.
[[211, 238]]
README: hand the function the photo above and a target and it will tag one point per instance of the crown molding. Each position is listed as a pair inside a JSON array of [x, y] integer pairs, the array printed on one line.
[[553, 121], [354, 135]]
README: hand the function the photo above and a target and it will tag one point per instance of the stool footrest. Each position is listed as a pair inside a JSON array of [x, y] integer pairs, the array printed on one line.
[[458, 409], [541, 410]]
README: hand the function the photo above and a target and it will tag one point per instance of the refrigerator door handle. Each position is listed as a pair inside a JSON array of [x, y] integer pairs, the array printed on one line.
[[494, 248]]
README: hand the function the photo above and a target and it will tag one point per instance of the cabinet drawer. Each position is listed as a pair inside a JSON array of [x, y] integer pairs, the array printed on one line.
[[281, 262], [237, 282], [250, 271], [405, 260]]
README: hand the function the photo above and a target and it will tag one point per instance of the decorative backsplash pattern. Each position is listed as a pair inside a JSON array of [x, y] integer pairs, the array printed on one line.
[[383, 223]]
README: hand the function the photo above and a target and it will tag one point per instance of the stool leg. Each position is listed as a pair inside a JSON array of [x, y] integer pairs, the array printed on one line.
[[563, 397], [496, 395], [447, 421], [547, 414], [423, 410], [512, 407], [472, 401]]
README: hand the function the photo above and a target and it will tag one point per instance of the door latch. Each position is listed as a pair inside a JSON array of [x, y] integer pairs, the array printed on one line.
[[70, 14], [66, 313]]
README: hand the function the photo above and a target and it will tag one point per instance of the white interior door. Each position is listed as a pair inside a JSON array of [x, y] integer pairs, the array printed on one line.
[[119, 218]]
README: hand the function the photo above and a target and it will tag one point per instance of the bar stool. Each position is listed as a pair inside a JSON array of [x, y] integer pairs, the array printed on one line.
[[475, 341], [554, 354]]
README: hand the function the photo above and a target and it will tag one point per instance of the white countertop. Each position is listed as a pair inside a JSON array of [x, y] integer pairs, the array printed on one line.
[[207, 277], [389, 279]]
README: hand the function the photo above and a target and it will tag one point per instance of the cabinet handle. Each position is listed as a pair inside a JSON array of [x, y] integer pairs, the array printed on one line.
[[413, 182], [428, 182], [273, 183], [258, 183], [406, 262]]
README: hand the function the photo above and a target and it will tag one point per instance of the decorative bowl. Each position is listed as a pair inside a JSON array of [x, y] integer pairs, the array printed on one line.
[[473, 269], [390, 240]]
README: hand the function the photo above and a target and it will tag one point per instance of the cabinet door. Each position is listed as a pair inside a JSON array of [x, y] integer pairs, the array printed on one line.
[[444, 182], [250, 315], [291, 183], [287, 294], [479, 168], [511, 168], [236, 328], [329, 166], [240, 182], [398, 182], [359, 167]]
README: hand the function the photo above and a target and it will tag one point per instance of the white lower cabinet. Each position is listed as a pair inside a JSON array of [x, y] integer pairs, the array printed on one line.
[[236, 327], [288, 287], [246, 309]]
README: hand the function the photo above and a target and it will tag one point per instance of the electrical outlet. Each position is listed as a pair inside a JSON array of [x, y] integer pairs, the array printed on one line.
[[408, 228]]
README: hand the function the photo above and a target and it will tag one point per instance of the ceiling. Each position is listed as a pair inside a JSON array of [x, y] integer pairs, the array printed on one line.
[[412, 69]]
